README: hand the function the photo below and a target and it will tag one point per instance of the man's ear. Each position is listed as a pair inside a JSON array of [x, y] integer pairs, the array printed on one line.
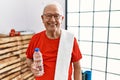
[[42, 17], [62, 17]]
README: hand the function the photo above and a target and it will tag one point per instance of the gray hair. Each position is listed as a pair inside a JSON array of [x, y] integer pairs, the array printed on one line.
[[56, 4]]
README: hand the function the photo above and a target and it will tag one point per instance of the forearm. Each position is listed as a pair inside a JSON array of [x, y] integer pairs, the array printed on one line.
[[77, 71], [29, 62], [77, 74]]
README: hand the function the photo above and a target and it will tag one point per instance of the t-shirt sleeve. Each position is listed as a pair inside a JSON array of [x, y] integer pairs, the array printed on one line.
[[76, 53]]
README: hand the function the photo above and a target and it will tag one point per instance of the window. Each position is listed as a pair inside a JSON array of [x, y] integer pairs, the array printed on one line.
[[96, 25]]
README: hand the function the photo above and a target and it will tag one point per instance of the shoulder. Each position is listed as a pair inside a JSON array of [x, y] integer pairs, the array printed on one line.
[[38, 35]]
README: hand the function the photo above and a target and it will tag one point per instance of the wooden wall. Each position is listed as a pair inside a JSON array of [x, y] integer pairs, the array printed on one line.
[[13, 59]]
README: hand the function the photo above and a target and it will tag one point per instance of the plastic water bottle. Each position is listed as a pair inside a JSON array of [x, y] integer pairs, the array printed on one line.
[[38, 61]]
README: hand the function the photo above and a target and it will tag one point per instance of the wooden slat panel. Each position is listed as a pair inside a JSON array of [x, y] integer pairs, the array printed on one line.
[[6, 45], [9, 67], [10, 54], [9, 61], [15, 48], [27, 74], [10, 72], [11, 76], [13, 64], [16, 38]]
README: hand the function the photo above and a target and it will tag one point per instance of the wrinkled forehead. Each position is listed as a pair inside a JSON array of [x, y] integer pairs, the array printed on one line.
[[52, 8]]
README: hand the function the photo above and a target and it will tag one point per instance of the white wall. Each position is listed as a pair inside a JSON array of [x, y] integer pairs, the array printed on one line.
[[12, 15], [22, 14]]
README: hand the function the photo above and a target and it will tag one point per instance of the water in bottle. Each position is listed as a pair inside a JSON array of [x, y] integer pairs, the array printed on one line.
[[38, 61]]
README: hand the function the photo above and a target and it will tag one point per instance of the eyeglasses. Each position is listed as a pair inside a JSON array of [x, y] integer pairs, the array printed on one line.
[[49, 16]]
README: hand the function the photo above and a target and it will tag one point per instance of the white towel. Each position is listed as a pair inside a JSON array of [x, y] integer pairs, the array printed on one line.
[[64, 55]]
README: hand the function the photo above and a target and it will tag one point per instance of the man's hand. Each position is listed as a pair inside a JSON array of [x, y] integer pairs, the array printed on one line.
[[34, 70]]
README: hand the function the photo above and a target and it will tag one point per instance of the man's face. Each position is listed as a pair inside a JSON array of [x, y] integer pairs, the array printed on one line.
[[52, 18]]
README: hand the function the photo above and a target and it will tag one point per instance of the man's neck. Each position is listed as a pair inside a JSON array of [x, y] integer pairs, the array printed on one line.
[[53, 35]]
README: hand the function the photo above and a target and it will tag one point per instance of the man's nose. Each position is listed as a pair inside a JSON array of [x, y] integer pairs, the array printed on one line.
[[53, 18]]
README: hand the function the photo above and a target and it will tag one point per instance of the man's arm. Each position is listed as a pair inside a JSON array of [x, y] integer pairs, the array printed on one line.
[[29, 62], [77, 71]]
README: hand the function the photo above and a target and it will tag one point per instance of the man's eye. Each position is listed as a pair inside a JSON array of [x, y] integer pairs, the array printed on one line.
[[48, 15], [56, 16]]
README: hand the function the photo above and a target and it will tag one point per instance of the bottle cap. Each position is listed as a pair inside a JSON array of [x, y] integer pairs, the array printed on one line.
[[37, 49]]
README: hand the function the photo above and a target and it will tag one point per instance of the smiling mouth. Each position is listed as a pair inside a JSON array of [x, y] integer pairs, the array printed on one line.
[[52, 24]]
